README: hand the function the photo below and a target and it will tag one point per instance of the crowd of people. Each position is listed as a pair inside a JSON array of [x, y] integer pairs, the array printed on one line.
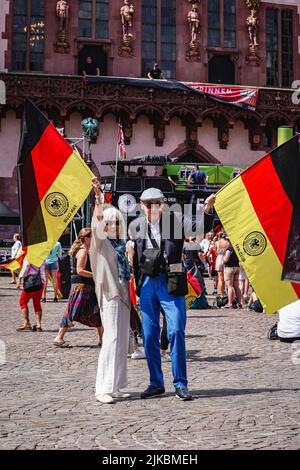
[[215, 256], [106, 265]]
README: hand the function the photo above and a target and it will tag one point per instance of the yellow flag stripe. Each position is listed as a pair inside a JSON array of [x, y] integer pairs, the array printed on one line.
[[59, 205], [239, 219], [12, 266]]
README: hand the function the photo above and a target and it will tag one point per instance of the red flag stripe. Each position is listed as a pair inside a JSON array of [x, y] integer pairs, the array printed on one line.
[[58, 153]]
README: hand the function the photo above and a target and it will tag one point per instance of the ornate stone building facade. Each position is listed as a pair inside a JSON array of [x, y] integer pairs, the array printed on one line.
[[43, 51]]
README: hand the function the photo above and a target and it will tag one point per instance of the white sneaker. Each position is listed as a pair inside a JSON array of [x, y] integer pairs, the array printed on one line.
[[165, 357], [119, 394], [105, 398], [138, 354]]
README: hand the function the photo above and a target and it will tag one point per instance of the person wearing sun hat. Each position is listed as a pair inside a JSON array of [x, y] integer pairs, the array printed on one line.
[[162, 235]]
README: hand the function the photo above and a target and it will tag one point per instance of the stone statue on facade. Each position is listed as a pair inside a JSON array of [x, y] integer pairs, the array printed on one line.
[[193, 17], [252, 23], [252, 27], [194, 22], [62, 13], [126, 13]]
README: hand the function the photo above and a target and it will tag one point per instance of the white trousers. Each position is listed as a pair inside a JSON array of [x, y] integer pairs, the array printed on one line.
[[112, 364]]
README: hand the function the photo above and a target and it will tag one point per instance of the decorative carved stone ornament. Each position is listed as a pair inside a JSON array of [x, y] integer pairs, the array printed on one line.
[[62, 12], [60, 95], [253, 4], [126, 13]]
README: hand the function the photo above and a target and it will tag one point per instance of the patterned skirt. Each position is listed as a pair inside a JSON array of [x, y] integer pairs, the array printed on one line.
[[82, 307]]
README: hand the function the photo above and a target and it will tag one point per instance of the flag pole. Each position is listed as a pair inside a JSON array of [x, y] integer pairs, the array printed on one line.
[[117, 152], [20, 165]]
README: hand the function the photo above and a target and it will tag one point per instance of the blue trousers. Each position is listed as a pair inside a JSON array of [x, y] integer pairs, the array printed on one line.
[[154, 295]]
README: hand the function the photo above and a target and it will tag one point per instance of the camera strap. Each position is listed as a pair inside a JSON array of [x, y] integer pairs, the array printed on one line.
[[152, 239]]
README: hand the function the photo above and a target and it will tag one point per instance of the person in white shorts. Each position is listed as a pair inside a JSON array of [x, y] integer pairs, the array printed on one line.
[[288, 328]]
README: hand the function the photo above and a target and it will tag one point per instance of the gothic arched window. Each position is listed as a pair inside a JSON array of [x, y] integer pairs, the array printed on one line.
[[159, 36], [28, 35], [93, 19], [222, 23], [149, 35], [168, 38], [279, 38]]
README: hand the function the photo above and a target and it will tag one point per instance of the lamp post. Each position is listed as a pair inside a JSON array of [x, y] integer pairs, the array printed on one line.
[[90, 131]]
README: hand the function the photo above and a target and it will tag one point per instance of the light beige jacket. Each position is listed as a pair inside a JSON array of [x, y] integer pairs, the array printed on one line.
[[104, 267]]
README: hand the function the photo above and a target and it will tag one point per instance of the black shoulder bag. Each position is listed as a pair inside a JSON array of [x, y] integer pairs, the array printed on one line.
[[152, 262], [177, 283]]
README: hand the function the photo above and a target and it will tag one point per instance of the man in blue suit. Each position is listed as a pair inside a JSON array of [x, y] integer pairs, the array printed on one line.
[[167, 239]]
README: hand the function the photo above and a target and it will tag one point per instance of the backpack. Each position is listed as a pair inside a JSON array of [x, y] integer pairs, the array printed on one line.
[[32, 282], [257, 306], [222, 301], [200, 303]]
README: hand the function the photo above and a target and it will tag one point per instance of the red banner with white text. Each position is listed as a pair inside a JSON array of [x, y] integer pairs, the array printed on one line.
[[245, 97]]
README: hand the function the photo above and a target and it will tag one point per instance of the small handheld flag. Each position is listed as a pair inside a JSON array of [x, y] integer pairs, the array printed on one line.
[[14, 264], [121, 149]]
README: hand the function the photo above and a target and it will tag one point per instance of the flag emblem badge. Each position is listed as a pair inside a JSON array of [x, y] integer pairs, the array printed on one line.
[[255, 244], [56, 204]]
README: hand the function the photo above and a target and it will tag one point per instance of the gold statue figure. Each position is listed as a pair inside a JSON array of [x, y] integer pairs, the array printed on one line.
[[252, 23], [62, 11], [126, 12], [194, 22]]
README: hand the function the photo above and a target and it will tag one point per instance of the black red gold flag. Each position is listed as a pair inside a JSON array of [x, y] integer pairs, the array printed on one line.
[[260, 213], [14, 264], [53, 183]]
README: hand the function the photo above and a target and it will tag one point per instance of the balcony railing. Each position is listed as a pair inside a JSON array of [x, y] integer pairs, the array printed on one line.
[[67, 93]]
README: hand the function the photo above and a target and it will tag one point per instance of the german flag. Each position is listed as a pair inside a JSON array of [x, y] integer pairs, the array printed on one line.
[[259, 211], [194, 286], [53, 184], [194, 283], [14, 264]]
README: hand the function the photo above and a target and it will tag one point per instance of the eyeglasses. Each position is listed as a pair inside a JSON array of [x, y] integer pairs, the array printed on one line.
[[150, 204], [110, 223]]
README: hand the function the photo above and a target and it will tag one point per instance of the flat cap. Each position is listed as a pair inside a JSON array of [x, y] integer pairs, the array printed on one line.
[[152, 194]]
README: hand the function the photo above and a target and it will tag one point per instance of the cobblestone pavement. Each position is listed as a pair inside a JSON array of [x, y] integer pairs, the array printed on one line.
[[246, 388]]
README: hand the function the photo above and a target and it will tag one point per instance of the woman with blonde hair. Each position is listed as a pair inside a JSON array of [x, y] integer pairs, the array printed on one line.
[[82, 306], [111, 271]]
